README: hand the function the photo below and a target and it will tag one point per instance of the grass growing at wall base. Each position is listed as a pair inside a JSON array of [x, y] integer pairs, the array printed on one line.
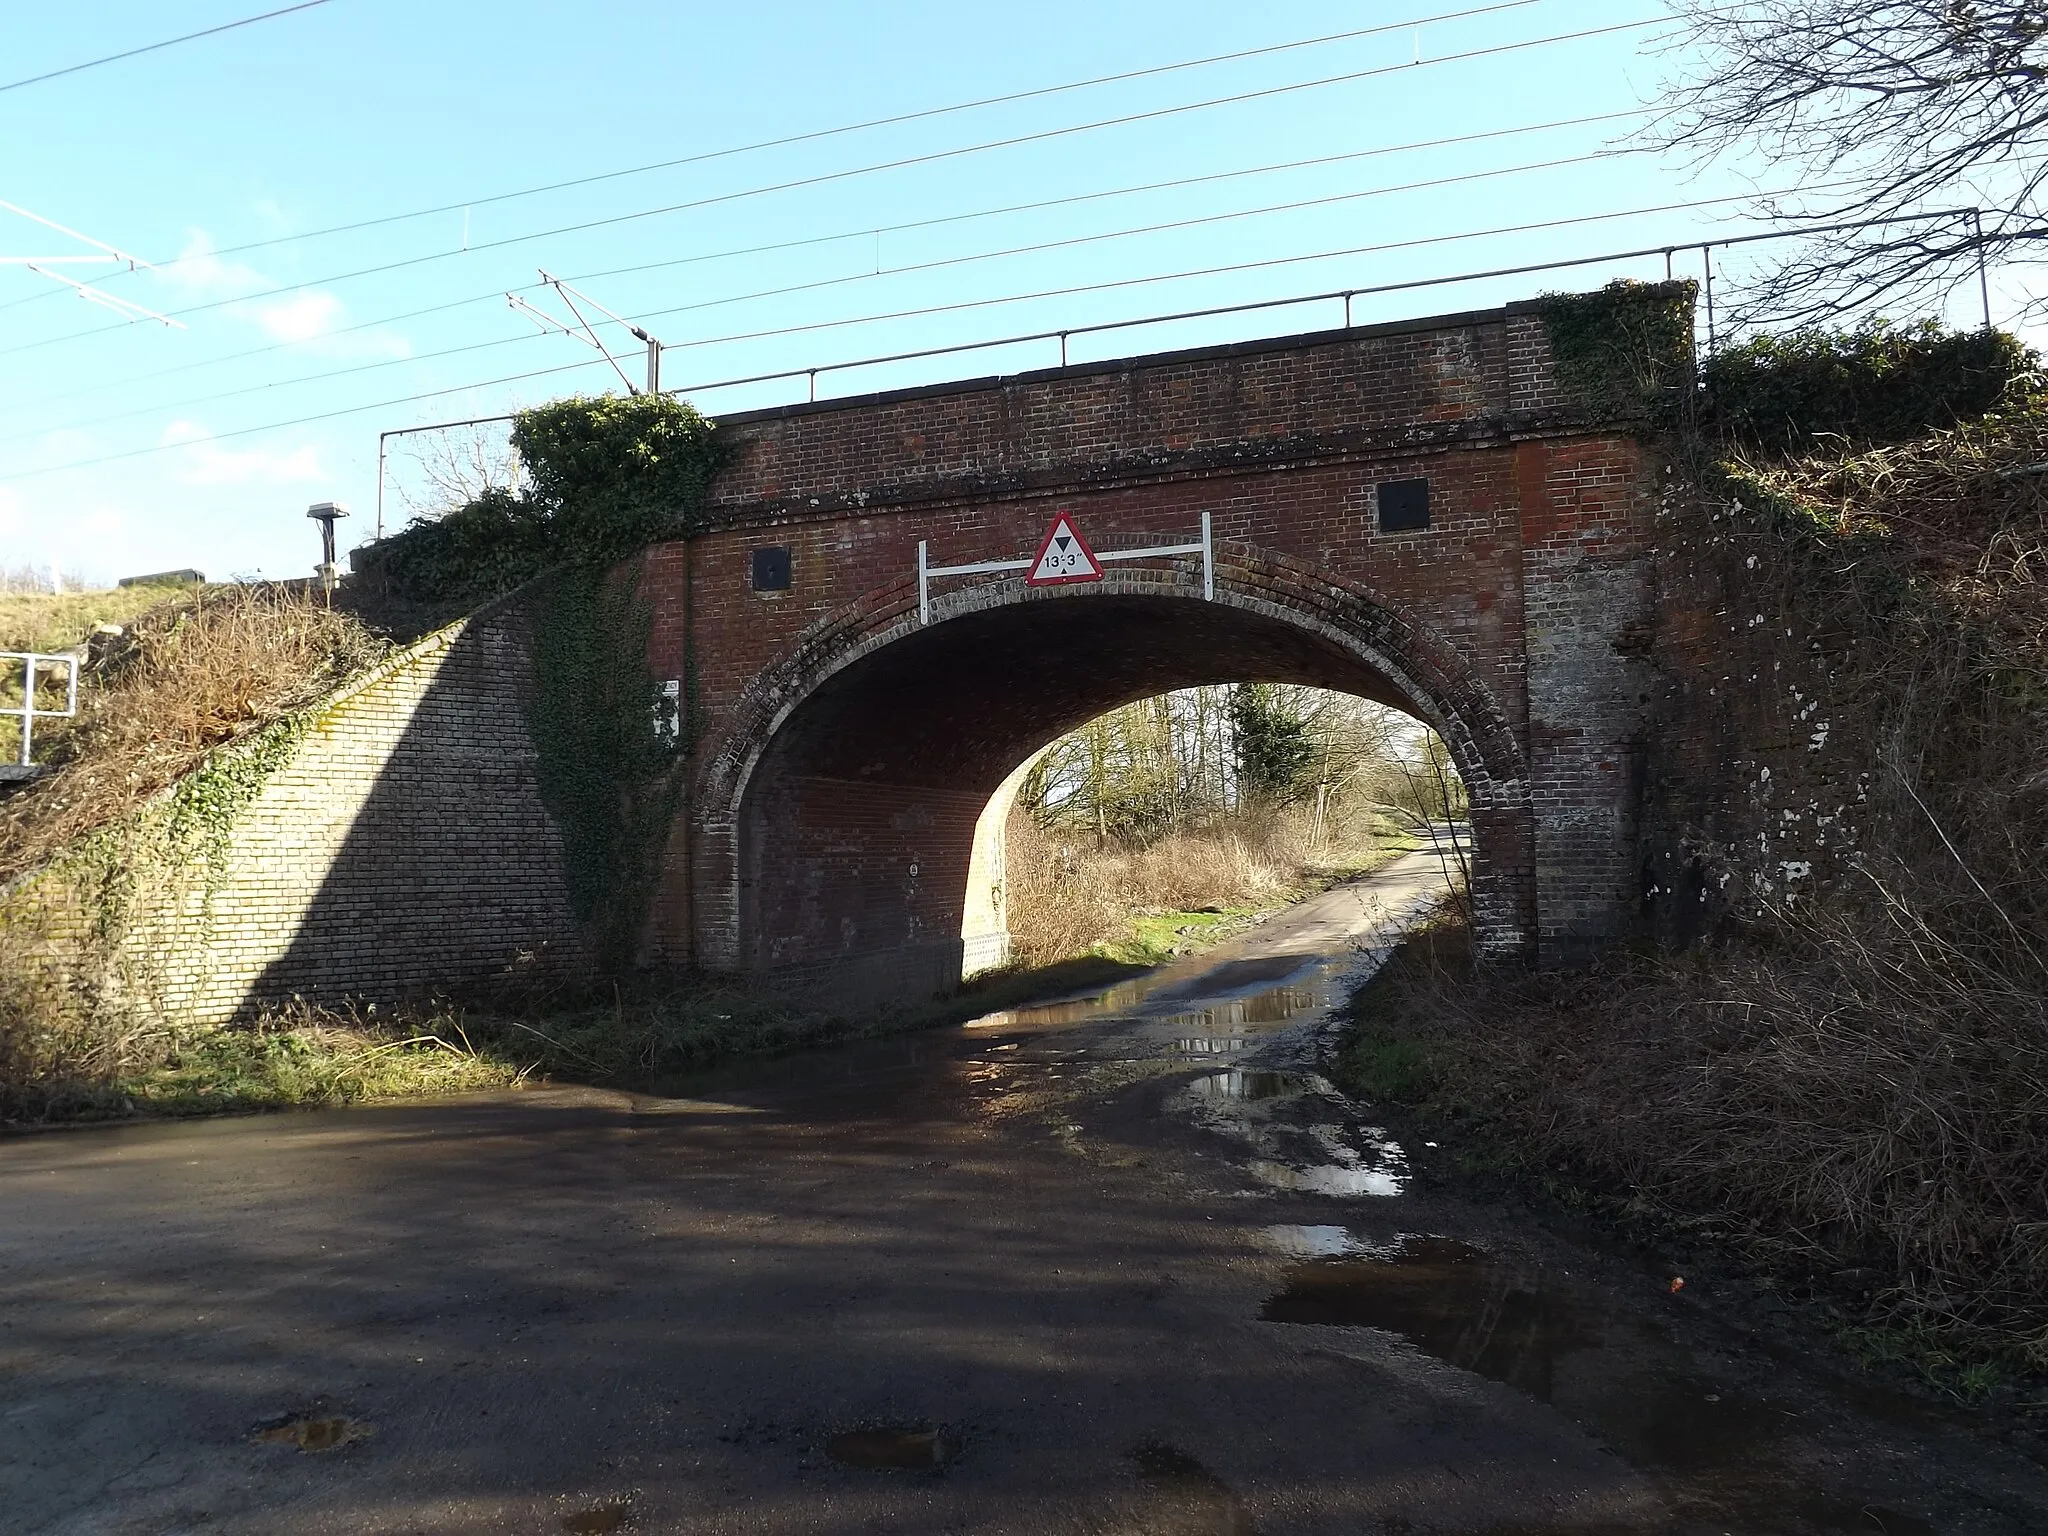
[[1741, 1105], [310, 1060], [306, 1057]]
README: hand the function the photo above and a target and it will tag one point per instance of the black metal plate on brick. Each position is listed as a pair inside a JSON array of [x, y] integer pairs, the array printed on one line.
[[1404, 505], [771, 568]]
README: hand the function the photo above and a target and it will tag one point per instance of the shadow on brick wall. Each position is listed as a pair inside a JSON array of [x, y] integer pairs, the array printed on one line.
[[444, 870]]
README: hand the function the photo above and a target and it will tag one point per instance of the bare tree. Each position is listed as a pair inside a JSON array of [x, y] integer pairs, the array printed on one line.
[[453, 466], [1890, 110]]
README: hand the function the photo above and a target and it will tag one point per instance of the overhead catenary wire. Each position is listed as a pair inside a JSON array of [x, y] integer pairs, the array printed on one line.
[[1664, 248], [923, 114], [836, 131], [1234, 267], [909, 268], [494, 294], [899, 163], [169, 42]]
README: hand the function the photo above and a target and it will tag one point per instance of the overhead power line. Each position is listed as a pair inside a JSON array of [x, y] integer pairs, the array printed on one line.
[[900, 163], [495, 293], [479, 346], [1119, 234], [169, 42], [1230, 268], [895, 120], [814, 135], [1234, 267], [1093, 197]]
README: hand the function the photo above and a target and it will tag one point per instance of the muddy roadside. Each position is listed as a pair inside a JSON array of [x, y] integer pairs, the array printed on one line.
[[1125, 1263]]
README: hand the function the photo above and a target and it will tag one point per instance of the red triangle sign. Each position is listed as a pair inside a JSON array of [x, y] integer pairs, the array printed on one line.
[[1063, 557]]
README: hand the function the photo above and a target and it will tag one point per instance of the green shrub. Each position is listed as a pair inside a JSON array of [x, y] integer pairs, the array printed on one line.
[[606, 478], [1880, 383]]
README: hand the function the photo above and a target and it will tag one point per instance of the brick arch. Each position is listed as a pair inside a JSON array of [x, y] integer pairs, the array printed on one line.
[[864, 681]]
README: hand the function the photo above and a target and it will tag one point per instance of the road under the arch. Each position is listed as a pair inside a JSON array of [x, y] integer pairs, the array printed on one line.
[[867, 811], [1115, 1265]]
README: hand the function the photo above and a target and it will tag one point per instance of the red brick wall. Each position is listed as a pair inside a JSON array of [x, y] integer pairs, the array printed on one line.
[[831, 716]]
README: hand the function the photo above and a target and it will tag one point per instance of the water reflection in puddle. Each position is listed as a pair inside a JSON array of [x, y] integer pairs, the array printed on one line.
[[1249, 1085], [1314, 1242], [1340, 1180], [1448, 1299], [1515, 1324], [1262, 1010]]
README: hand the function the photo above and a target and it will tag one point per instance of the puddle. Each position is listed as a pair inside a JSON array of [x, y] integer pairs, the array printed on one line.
[[907, 1450], [1344, 1181], [1210, 1045], [1506, 1321], [314, 1434], [1261, 971], [596, 1522], [1199, 1503], [1260, 1011], [1313, 1242], [1243, 1084], [1449, 1300]]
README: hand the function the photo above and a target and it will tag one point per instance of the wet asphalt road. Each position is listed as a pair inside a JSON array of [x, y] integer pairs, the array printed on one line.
[[1110, 1267]]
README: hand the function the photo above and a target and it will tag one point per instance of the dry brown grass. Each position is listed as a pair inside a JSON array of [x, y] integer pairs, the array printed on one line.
[[1853, 1085], [1068, 897], [185, 677], [1856, 1104]]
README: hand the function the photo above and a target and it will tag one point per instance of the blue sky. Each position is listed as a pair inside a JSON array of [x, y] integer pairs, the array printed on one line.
[[136, 447]]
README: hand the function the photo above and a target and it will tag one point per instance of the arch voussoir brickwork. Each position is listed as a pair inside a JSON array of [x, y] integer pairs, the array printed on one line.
[[1370, 641]]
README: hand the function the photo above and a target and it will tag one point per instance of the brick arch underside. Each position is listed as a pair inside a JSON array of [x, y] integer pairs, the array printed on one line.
[[856, 770]]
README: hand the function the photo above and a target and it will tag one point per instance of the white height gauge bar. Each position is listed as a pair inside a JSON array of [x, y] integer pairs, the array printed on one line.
[[927, 573]]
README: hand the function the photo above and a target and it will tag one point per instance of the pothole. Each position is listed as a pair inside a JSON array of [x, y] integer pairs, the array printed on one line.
[[891, 1449], [311, 1433], [597, 1521], [1198, 1502]]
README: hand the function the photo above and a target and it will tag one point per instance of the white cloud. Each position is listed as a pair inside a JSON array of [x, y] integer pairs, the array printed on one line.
[[302, 317], [203, 275], [206, 462], [313, 317]]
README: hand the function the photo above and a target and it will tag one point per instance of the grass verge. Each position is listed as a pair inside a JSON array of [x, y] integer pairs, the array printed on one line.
[[305, 1057], [47, 621], [1867, 1160]]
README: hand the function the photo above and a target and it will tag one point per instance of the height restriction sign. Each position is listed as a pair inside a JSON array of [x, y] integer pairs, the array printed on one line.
[[1063, 557]]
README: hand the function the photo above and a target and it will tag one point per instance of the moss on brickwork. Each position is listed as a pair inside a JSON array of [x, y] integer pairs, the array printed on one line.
[[606, 478], [82, 992], [1625, 351]]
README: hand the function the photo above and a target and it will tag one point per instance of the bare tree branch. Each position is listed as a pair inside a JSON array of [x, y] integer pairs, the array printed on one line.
[[1919, 106]]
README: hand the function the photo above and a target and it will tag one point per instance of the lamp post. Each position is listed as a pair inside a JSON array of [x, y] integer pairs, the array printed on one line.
[[327, 514]]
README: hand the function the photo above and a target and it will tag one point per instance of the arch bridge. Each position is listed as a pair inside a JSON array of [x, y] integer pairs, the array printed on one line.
[[1412, 513]]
